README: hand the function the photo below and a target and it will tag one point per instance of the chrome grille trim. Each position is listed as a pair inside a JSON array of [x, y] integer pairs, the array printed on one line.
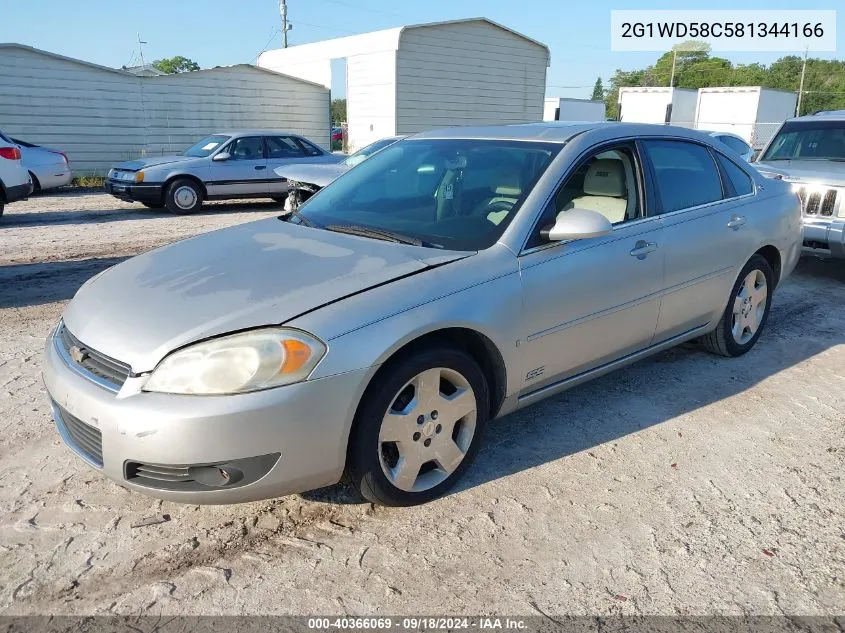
[[84, 439], [820, 202], [96, 367]]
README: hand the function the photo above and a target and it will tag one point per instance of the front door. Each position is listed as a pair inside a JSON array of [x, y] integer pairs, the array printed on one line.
[[243, 174], [588, 302]]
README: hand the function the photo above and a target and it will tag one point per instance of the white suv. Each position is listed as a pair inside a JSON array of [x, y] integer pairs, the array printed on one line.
[[15, 183]]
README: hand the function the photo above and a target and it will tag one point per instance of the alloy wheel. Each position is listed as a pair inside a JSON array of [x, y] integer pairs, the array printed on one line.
[[427, 430], [749, 307]]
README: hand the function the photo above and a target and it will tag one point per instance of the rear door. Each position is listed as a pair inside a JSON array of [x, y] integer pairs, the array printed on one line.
[[704, 232], [281, 151], [244, 173]]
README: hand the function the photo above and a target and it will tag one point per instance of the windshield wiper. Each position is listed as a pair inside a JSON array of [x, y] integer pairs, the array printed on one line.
[[378, 234]]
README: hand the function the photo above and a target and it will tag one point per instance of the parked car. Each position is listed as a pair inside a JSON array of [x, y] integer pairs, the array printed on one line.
[[736, 143], [809, 153], [222, 166], [337, 134], [15, 183], [450, 279], [304, 180], [48, 168]]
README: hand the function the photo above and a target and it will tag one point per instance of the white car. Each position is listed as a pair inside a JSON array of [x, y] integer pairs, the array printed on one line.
[[15, 183], [736, 143], [47, 167]]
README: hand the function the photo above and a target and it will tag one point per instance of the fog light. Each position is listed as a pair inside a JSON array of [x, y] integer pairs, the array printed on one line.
[[215, 476]]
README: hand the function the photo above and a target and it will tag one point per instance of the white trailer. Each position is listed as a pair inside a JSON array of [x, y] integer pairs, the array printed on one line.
[[674, 106], [752, 112], [564, 109]]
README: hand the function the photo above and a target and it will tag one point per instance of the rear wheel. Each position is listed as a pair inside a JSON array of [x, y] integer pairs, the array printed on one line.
[[419, 428], [746, 312], [36, 186], [183, 197]]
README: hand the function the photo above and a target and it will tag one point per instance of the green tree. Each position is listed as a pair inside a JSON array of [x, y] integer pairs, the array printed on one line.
[[338, 110], [176, 64], [824, 80], [598, 90]]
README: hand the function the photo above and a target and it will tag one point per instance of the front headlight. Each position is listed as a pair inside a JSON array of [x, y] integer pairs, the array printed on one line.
[[238, 363]]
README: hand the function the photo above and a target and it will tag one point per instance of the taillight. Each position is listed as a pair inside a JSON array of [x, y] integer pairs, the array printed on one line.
[[10, 153]]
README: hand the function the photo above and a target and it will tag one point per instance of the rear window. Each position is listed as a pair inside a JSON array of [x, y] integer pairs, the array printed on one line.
[[740, 181]]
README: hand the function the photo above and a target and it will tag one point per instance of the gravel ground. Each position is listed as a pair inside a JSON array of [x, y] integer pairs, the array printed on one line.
[[685, 484]]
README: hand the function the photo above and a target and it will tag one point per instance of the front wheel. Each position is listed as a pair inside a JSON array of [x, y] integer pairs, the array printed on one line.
[[419, 428], [746, 312], [183, 197]]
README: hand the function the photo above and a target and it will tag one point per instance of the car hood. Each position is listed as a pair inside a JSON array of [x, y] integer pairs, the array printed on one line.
[[251, 275], [141, 163], [319, 175], [828, 172]]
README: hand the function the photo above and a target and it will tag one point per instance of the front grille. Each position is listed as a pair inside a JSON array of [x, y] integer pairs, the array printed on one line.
[[100, 368], [818, 202], [82, 438]]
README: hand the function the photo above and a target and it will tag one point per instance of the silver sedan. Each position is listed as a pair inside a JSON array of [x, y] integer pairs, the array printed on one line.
[[451, 279]]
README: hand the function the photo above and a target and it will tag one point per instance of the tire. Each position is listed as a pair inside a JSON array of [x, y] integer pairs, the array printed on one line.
[[440, 447], [36, 185], [183, 197], [153, 205], [1, 207], [752, 308]]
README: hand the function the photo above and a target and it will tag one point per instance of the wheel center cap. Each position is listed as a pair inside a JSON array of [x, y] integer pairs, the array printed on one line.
[[428, 428]]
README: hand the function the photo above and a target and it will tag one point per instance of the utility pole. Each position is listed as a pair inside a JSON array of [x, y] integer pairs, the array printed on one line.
[[672, 78], [801, 86], [286, 26]]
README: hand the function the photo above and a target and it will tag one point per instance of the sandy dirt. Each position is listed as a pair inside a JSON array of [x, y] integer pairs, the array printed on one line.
[[685, 484]]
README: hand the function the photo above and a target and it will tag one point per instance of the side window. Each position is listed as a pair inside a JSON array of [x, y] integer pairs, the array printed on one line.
[[282, 147], [247, 148], [309, 148], [606, 182], [741, 182], [685, 174]]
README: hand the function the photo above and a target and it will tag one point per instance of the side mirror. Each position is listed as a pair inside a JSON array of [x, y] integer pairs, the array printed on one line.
[[577, 224], [222, 156]]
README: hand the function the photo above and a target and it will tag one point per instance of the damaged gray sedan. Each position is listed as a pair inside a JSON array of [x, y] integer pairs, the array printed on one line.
[[451, 279]]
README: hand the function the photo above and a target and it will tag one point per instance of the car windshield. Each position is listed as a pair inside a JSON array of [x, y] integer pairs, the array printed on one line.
[[808, 140], [458, 193], [363, 154], [206, 146]]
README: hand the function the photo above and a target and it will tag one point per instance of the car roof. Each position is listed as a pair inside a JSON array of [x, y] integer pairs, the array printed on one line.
[[830, 115], [256, 133], [559, 131]]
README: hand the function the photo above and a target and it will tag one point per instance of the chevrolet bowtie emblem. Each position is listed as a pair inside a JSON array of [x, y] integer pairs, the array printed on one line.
[[78, 354]]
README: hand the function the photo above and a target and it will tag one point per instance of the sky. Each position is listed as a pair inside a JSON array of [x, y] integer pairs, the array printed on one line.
[[224, 32]]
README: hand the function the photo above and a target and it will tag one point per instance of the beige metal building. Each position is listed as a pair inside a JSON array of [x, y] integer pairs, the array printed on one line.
[[100, 116]]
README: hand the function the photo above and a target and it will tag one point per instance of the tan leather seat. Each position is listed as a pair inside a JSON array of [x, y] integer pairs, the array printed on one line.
[[605, 190]]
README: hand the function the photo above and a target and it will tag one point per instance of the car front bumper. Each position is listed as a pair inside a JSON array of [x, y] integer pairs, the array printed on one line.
[[283, 440], [824, 237], [131, 192]]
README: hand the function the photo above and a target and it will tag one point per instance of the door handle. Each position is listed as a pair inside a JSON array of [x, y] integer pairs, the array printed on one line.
[[261, 167], [642, 249], [736, 222]]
